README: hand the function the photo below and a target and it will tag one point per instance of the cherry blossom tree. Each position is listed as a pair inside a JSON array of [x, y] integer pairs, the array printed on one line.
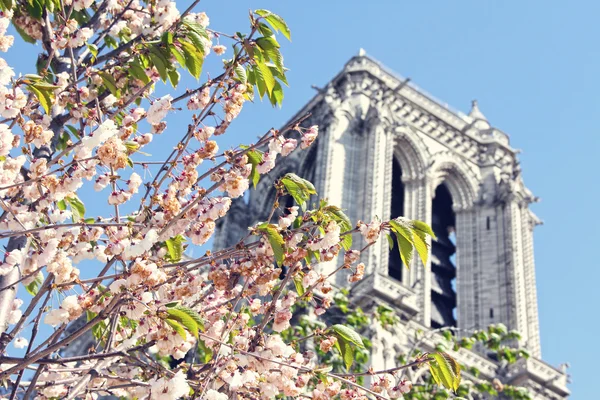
[[82, 119]]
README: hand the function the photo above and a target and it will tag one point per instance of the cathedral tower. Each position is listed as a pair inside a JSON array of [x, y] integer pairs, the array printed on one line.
[[386, 149]]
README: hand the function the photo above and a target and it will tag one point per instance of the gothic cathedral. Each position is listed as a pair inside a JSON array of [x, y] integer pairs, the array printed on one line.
[[388, 149]]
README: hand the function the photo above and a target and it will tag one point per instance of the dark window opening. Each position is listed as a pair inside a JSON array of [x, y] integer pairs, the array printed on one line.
[[491, 313], [443, 294], [488, 223], [395, 266], [289, 202]]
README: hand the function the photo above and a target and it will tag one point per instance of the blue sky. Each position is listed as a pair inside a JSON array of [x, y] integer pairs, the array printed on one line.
[[532, 65]]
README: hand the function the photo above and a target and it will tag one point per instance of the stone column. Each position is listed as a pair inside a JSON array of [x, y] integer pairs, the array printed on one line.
[[331, 172], [521, 269], [514, 242], [533, 327], [468, 268], [417, 205], [384, 182], [373, 191]]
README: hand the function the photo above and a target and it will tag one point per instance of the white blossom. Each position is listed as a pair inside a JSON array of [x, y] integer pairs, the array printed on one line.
[[56, 317], [104, 132], [20, 343], [212, 394], [159, 109], [170, 388]]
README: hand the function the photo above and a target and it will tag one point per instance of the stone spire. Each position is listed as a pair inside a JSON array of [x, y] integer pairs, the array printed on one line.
[[479, 120]]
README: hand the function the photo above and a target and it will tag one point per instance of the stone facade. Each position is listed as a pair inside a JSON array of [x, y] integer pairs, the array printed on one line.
[[387, 148]]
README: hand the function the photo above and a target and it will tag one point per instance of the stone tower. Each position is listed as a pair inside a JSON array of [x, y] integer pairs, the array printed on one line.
[[387, 149]]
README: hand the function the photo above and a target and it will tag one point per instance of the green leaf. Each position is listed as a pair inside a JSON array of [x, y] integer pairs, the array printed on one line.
[[90, 315], [420, 243], [405, 248], [266, 75], [167, 37], [300, 189], [299, 285], [77, 208], [73, 131], [280, 74], [347, 352], [7, 4], [63, 139], [44, 97], [423, 227], [447, 335], [275, 240], [196, 40], [259, 81], [435, 373], [137, 71], [159, 61], [251, 75], [109, 82], [267, 43], [193, 315], [405, 242], [277, 95], [110, 41], [35, 8], [348, 334], [45, 86], [173, 77], [195, 27], [270, 49], [205, 353], [240, 73], [35, 285], [265, 30], [131, 146], [176, 327], [255, 157], [184, 319], [193, 59], [175, 247], [276, 22], [99, 328], [445, 370], [93, 50], [179, 56], [390, 241], [61, 205], [31, 78]]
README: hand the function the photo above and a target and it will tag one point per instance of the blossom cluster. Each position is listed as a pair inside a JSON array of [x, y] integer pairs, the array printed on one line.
[[84, 122]]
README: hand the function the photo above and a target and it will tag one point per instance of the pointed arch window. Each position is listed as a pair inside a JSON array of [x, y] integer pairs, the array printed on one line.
[[395, 266], [443, 294]]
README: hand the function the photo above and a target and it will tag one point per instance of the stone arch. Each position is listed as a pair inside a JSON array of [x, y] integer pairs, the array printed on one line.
[[405, 165], [460, 179], [410, 151]]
